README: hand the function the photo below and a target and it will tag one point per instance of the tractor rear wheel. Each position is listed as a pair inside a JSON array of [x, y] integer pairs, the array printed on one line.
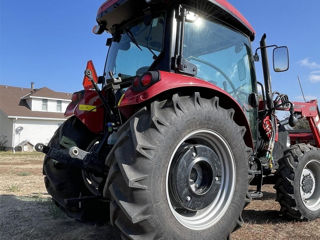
[[298, 186], [180, 171], [66, 182]]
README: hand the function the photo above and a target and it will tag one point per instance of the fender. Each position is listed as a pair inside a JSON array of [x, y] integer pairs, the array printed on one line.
[[174, 82], [87, 107], [76, 133]]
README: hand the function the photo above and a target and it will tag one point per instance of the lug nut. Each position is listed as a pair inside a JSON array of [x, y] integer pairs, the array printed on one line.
[[188, 198]]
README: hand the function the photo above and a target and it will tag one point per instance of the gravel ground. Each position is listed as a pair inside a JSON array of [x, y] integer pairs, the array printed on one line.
[[27, 212]]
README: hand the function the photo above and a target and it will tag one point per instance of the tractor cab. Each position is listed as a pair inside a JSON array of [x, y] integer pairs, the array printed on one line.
[[187, 39], [208, 40]]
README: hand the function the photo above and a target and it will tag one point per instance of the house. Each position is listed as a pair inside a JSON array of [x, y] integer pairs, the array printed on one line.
[[30, 115]]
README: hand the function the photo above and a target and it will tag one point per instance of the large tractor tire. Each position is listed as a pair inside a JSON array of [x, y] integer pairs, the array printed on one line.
[[298, 185], [67, 182], [179, 171]]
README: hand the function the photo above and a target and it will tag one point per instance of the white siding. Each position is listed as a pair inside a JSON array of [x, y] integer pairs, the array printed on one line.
[[64, 106], [36, 105], [6, 128], [35, 131], [52, 105]]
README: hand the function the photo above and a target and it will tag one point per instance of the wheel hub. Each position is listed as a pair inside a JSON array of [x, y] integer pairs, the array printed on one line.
[[196, 177], [307, 184]]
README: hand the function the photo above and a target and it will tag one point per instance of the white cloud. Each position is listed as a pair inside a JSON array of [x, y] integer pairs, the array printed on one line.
[[309, 64], [314, 77]]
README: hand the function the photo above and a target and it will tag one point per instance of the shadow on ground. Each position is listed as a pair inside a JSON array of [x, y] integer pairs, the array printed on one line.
[[39, 218], [264, 216]]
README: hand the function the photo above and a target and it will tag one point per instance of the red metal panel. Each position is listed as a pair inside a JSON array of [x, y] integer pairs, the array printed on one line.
[[301, 138], [93, 118], [311, 112], [307, 109], [227, 6], [168, 81], [106, 5]]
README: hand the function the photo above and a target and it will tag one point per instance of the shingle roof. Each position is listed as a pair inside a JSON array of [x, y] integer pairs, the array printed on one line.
[[48, 93], [13, 103]]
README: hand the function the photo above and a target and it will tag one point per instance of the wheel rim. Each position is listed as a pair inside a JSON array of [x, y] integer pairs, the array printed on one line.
[[206, 193], [309, 185]]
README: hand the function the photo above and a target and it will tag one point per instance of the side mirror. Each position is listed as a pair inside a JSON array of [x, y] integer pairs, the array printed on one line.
[[280, 59]]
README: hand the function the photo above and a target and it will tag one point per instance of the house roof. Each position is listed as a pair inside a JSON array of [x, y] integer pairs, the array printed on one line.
[[47, 93], [13, 103], [25, 142]]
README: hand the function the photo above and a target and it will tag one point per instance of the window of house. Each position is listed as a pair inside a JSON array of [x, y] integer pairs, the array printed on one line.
[[59, 106], [44, 104]]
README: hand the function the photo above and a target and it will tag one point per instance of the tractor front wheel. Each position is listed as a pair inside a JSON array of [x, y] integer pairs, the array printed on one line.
[[298, 186], [180, 171]]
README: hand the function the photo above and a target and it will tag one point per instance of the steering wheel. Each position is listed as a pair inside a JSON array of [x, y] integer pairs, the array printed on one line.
[[234, 89]]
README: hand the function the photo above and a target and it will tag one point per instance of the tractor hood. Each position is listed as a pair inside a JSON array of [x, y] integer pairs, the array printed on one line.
[[117, 12]]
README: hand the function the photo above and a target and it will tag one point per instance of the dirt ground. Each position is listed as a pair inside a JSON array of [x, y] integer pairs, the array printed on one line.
[[26, 210]]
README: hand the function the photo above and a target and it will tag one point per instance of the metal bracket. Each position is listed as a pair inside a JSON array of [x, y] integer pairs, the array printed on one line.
[[74, 157], [184, 66]]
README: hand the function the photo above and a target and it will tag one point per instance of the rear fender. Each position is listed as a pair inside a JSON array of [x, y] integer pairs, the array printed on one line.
[[87, 107], [75, 133], [172, 82]]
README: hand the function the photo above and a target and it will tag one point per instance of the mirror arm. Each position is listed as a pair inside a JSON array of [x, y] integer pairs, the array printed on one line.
[[274, 46]]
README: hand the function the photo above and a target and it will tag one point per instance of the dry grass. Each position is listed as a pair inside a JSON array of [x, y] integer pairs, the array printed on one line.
[[26, 211]]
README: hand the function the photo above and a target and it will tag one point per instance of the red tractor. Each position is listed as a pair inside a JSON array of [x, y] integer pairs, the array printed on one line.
[[166, 146]]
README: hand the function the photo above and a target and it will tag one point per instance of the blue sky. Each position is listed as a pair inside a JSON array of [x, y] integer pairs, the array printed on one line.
[[49, 42]]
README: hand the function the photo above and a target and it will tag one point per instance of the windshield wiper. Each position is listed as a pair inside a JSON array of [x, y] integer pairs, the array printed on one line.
[[154, 55], [134, 40]]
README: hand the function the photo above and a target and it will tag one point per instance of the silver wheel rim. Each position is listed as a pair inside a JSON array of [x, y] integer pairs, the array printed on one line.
[[311, 196], [210, 215]]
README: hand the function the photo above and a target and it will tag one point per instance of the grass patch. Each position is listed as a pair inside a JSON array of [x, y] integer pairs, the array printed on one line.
[[9, 153], [35, 198], [23, 174], [13, 188], [54, 211], [5, 156], [45, 203]]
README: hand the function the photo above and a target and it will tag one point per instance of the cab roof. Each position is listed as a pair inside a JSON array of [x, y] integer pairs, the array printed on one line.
[[115, 12]]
